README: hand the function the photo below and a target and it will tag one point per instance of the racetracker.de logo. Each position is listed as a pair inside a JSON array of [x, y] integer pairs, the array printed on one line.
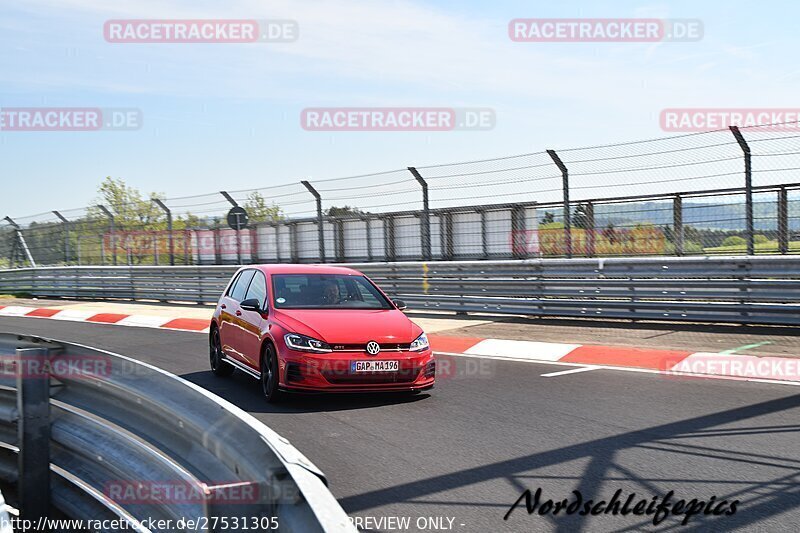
[[69, 119], [397, 119], [59, 367], [148, 492], [705, 119], [201, 31], [605, 30]]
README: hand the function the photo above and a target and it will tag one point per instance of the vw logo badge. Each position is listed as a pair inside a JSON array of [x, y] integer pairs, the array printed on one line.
[[373, 348]]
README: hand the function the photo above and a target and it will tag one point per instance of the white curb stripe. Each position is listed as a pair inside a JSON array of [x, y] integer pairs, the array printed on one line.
[[540, 351], [15, 310], [144, 321], [74, 315]]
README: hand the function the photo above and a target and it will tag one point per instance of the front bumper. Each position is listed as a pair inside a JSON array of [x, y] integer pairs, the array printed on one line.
[[332, 372]]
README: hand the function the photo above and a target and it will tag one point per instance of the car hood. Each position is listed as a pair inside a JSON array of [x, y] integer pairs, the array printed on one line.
[[350, 326]]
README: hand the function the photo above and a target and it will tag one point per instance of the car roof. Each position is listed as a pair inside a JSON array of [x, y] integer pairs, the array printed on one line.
[[305, 269]]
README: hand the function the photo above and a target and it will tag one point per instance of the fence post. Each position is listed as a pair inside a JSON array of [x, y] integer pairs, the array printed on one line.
[[19, 240], [748, 188], [238, 242], [166, 209], [320, 219], [590, 247], [113, 232], [783, 220], [426, 215], [565, 188], [33, 433], [677, 224], [66, 235], [484, 237], [519, 239]]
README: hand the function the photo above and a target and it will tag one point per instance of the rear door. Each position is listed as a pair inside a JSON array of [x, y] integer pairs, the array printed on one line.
[[227, 308], [232, 339], [253, 321]]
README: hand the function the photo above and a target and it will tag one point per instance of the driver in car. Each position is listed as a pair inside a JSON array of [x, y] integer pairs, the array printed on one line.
[[330, 293]]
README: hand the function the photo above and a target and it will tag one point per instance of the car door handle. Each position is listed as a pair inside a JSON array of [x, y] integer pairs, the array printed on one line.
[[238, 313]]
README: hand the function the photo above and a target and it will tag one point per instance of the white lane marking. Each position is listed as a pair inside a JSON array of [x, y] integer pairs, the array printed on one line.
[[572, 371], [542, 351], [672, 373]]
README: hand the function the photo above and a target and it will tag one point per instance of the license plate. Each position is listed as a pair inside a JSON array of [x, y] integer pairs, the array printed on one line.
[[374, 366]]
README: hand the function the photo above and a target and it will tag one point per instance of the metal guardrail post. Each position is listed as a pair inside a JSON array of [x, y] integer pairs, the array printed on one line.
[[484, 237], [238, 242], [320, 219], [167, 210], [783, 221], [677, 224], [33, 432], [64, 221], [565, 192], [748, 188], [113, 233], [368, 222], [426, 215]]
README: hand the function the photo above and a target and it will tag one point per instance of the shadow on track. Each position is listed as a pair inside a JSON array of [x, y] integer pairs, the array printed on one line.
[[774, 488], [245, 392]]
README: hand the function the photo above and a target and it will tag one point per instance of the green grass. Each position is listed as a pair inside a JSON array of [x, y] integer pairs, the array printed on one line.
[[764, 248]]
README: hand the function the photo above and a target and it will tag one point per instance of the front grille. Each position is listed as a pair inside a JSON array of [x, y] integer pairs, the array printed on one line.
[[389, 347], [404, 375]]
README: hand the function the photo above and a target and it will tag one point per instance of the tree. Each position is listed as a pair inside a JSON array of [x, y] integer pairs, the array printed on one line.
[[610, 234], [548, 218], [258, 210], [344, 211]]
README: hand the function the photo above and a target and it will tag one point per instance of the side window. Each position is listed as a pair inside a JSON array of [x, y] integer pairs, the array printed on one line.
[[258, 289], [233, 284], [241, 286]]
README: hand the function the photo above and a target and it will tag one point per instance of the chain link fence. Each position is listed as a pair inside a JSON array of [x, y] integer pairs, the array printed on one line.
[[731, 191]]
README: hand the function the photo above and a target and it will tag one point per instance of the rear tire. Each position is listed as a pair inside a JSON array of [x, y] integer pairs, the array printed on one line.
[[218, 366], [269, 375]]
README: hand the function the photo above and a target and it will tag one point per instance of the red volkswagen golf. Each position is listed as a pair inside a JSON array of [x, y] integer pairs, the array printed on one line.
[[317, 328]]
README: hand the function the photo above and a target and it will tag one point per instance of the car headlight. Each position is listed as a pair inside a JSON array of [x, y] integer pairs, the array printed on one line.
[[305, 344], [421, 343]]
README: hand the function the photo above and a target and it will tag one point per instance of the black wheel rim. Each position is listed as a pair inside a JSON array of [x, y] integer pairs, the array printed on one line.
[[214, 356], [267, 374]]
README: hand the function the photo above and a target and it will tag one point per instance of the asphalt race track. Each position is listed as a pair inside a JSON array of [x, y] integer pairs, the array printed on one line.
[[492, 429]]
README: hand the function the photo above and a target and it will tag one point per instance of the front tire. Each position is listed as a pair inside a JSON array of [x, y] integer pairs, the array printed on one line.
[[218, 366], [269, 375]]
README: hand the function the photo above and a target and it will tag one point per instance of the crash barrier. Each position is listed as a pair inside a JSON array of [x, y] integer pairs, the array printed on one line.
[[128, 442], [749, 289]]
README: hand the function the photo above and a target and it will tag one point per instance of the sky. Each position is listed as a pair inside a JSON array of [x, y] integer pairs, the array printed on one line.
[[227, 116]]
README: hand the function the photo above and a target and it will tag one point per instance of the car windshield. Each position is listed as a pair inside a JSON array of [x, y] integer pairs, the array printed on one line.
[[326, 291]]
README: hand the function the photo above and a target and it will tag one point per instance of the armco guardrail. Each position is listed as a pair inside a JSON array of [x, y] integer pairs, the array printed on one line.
[[750, 289], [131, 442]]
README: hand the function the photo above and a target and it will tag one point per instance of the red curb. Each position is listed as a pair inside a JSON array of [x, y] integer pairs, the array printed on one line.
[[452, 344], [42, 312], [193, 324], [107, 318], [625, 356]]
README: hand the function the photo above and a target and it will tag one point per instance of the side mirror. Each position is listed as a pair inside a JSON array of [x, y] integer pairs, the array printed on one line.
[[401, 305], [251, 305]]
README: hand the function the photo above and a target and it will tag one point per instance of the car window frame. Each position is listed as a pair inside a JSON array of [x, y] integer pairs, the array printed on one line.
[[242, 273], [232, 284], [265, 304]]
